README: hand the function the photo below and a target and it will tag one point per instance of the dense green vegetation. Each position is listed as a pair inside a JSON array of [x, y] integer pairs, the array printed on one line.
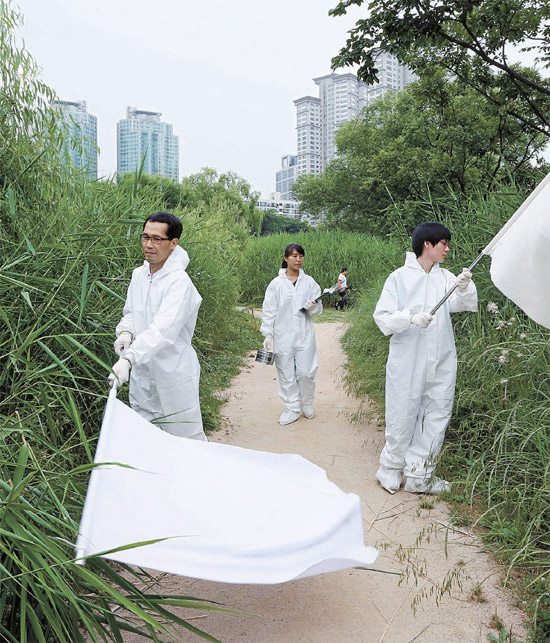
[[497, 450], [498, 444], [279, 224], [326, 254], [61, 297], [67, 247]]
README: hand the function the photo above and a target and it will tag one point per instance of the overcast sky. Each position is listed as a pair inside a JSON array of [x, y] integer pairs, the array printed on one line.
[[224, 73]]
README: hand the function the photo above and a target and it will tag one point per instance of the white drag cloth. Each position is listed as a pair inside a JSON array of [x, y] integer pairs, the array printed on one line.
[[520, 255], [224, 513]]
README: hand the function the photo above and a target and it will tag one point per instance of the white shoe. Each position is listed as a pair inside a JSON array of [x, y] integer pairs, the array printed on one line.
[[432, 486], [308, 411], [390, 479], [288, 417]]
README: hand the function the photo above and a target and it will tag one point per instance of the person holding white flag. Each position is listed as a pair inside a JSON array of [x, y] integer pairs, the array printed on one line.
[[421, 366], [155, 332]]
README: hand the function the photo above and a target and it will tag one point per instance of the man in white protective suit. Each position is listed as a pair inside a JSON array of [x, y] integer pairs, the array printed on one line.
[[155, 332], [421, 366]]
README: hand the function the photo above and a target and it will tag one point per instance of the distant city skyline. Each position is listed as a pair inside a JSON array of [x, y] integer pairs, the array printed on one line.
[[223, 74]]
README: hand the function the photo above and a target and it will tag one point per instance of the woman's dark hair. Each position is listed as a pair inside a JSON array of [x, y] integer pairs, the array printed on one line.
[[290, 249], [175, 227], [431, 231]]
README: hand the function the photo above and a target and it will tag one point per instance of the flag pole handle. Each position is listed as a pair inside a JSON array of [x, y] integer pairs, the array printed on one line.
[[451, 291]]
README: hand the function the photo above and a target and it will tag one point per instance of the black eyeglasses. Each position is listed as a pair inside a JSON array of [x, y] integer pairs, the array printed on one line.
[[145, 238]]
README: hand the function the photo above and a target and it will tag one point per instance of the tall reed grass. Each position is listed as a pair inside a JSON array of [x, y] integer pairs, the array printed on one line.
[[326, 254], [62, 287]]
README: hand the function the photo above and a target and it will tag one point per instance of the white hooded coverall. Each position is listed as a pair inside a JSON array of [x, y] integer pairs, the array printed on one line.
[[161, 312], [293, 336], [421, 366]]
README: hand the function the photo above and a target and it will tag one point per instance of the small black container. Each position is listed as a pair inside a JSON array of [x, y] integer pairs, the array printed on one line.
[[265, 357]]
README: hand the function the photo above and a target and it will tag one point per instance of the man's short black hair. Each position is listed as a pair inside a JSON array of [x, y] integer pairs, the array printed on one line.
[[175, 227], [344, 269], [431, 231]]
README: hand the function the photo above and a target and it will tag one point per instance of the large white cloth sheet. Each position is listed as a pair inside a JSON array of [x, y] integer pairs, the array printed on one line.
[[520, 255], [228, 514]]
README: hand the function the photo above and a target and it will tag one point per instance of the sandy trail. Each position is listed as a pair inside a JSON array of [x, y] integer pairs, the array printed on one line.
[[413, 533]]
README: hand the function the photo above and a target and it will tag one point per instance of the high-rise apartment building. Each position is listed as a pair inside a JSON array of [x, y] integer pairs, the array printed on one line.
[[286, 176], [143, 137], [341, 99], [392, 76], [308, 134], [80, 129]]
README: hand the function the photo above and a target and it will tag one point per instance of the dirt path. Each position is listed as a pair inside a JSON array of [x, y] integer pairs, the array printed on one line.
[[413, 534]]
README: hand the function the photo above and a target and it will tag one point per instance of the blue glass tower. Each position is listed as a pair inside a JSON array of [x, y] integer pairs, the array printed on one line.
[[143, 137], [80, 130]]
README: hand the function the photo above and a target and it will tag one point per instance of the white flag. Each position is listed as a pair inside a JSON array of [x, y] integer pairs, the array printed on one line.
[[520, 255], [223, 513]]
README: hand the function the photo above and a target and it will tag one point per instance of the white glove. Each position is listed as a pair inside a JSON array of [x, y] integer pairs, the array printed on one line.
[[268, 343], [463, 279], [309, 305], [121, 372], [422, 320], [122, 342]]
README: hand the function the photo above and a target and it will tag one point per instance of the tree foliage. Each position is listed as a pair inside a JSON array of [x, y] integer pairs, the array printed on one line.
[[229, 191], [30, 141], [474, 40], [434, 139], [208, 195], [278, 224]]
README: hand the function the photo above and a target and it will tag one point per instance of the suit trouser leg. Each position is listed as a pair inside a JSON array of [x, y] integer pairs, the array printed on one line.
[[427, 440]]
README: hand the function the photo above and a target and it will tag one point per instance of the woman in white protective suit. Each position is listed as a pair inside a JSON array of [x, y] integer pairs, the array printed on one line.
[[421, 366], [154, 335], [289, 332]]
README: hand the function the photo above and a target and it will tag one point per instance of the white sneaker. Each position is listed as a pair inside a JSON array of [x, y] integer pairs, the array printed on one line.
[[389, 479], [288, 417], [308, 411], [432, 486]]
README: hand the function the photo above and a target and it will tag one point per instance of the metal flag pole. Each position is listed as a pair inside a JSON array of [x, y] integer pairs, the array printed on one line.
[[451, 291]]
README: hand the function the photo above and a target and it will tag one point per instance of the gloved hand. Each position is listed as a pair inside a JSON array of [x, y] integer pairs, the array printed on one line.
[[121, 372], [122, 342], [310, 304], [422, 320], [463, 279], [268, 343]]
